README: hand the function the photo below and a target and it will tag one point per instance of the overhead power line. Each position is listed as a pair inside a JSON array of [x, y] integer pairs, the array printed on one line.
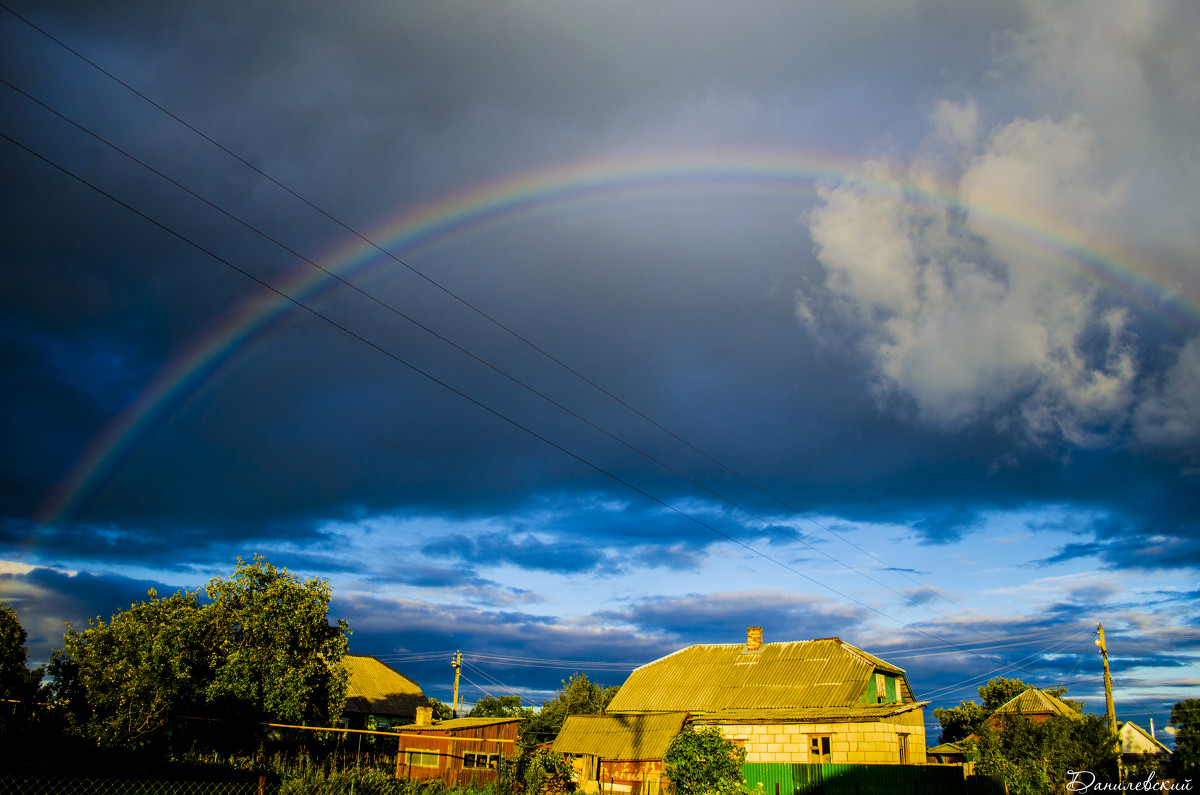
[[502, 326], [494, 412]]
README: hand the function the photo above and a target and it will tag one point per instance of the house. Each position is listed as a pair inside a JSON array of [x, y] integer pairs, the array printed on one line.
[[811, 701], [947, 754], [378, 691], [1137, 745], [619, 753], [460, 752], [1037, 705]]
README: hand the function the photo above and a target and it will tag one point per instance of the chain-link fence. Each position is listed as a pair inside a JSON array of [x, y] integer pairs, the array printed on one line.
[[52, 785]]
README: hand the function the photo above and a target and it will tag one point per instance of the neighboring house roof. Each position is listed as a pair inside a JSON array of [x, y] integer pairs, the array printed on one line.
[[946, 748], [1136, 740], [816, 674], [1037, 702], [621, 737], [376, 689]]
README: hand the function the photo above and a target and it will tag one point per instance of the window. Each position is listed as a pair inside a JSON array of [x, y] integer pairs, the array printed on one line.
[[903, 748], [880, 688], [481, 761], [423, 758], [818, 749]]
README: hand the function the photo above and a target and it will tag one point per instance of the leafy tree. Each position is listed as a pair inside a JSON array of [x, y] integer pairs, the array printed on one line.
[[536, 767], [704, 762], [502, 707], [17, 681], [1000, 691], [1185, 717], [1039, 756], [441, 710], [278, 655], [577, 696], [261, 649], [124, 678], [959, 723]]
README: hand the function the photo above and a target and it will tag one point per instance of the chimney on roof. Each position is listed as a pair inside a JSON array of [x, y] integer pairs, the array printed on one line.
[[424, 716], [753, 638]]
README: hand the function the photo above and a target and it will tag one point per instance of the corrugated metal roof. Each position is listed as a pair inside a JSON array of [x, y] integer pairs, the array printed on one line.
[[376, 689], [456, 723], [1036, 702], [708, 678], [621, 737]]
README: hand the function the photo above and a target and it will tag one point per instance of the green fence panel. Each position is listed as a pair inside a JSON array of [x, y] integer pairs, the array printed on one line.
[[789, 779]]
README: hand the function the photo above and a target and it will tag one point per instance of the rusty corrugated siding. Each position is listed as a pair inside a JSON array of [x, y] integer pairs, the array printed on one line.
[[709, 678], [623, 737]]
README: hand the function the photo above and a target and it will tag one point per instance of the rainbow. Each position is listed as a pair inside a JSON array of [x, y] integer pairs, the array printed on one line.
[[585, 182]]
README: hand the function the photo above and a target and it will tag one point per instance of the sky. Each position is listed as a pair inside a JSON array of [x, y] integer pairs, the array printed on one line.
[[569, 334]]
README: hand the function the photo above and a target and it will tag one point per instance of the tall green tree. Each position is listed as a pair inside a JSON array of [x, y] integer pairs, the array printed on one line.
[[959, 723], [17, 681], [577, 696], [1185, 717], [123, 678], [704, 762], [277, 654], [501, 707], [1036, 757], [441, 710], [261, 649], [968, 717]]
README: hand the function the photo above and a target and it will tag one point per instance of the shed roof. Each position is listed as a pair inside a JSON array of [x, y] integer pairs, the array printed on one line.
[[455, 724], [797, 674], [376, 689], [622, 737], [1036, 702]]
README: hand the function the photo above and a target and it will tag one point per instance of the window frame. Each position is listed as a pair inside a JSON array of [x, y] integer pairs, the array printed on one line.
[[820, 749], [410, 753]]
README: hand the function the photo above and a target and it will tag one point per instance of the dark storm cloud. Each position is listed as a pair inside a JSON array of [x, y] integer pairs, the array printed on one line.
[[723, 617], [685, 307], [47, 599]]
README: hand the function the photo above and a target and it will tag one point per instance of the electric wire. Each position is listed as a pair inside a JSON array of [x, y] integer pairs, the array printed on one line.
[[456, 297], [396, 311], [495, 412], [473, 308]]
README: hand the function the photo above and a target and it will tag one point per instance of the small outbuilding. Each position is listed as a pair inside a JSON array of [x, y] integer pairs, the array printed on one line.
[[461, 752], [619, 753]]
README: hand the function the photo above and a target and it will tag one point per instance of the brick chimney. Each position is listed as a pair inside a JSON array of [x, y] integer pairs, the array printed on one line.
[[424, 716], [753, 638]]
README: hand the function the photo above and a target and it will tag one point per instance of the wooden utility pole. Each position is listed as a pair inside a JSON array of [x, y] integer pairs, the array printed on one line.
[[1108, 699], [457, 664]]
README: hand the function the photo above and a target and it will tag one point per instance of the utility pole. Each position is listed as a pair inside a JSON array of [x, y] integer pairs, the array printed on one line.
[[457, 665], [1108, 699]]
